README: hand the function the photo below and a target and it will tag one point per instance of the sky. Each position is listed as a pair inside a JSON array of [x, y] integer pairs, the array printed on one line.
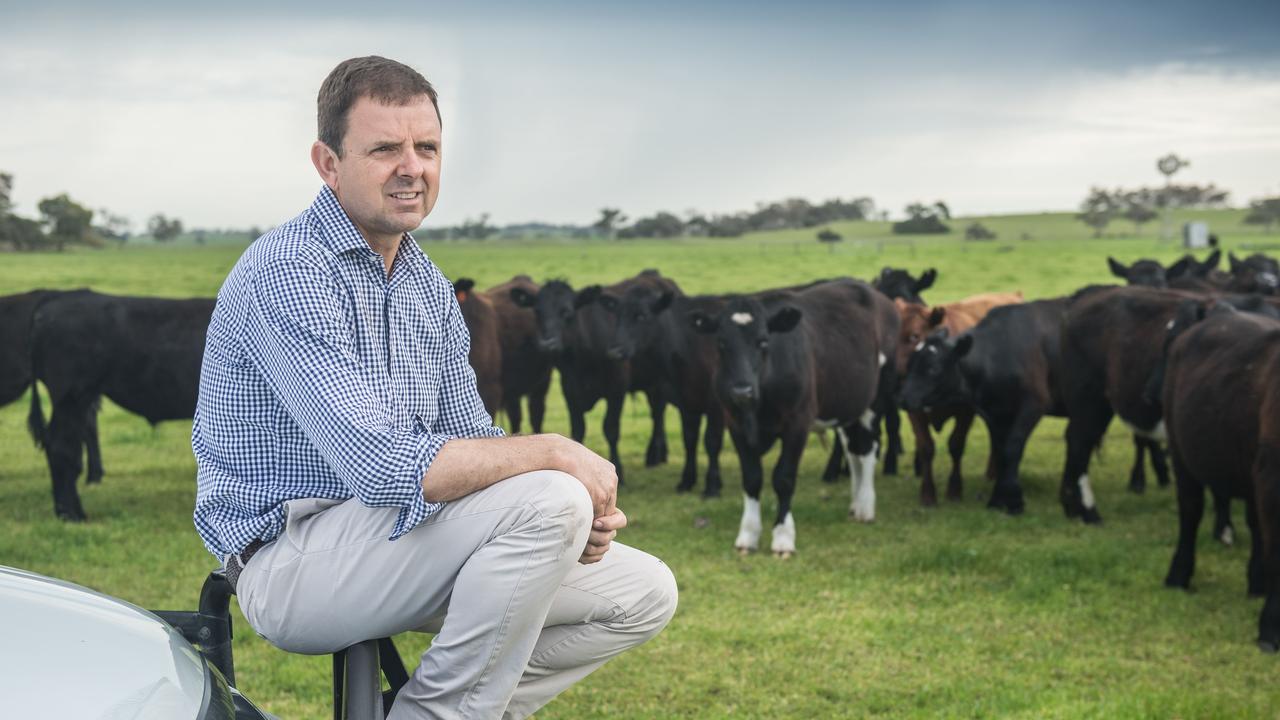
[[554, 110]]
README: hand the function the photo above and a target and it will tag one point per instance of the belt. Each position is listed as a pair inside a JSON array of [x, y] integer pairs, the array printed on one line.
[[236, 563]]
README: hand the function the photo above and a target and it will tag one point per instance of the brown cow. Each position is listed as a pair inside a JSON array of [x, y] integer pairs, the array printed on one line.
[[486, 343], [917, 323], [526, 368]]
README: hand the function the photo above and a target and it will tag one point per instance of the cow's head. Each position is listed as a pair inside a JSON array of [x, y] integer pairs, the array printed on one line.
[[915, 323], [933, 376], [462, 288], [1148, 273], [636, 313], [1256, 273], [555, 305], [743, 331], [1188, 267], [899, 284]]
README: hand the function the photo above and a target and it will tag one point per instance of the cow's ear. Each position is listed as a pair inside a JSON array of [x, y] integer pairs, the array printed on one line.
[[662, 303], [1234, 263], [884, 272], [702, 322], [1181, 268], [1210, 262], [586, 296], [522, 297], [1117, 269], [937, 315], [608, 302], [926, 280], [784, 320], [462, 286], [964, 344]]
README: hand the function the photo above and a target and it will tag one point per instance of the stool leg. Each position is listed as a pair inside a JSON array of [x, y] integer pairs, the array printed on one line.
[[363, 696]]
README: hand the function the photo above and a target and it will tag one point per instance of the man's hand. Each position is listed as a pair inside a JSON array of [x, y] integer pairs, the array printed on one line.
[[603, 530], [595, 473]]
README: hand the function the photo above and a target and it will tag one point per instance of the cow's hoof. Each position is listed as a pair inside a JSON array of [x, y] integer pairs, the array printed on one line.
[[683, 487], [93, 479], [1268, 646], [862, 517], [710, 493], [1227, 536], [1177, 581], [955, 496], [1137, 489], [1090, 516], [928, 500], [744, 551], [783, 554], [1015, 509], [72, 517]]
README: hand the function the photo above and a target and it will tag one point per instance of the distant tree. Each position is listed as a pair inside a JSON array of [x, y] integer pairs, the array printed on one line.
[[662, 225], [163, 229], [922, 220], [1264, 212], [1098, 210], [830, 237], [68, 222], [943, 211], [6, 192], [610, 219], [254, 232], [199, 235], [978, 231], [116, 228], [1138, 207], [477, 229]]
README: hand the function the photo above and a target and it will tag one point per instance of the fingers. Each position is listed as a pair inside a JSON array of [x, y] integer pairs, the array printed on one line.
[[611, 521]]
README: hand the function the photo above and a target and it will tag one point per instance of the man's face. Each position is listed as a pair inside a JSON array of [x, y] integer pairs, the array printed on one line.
[[388, 177]]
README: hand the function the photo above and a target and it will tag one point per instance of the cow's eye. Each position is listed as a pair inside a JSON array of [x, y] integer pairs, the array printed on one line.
[[763, 343]]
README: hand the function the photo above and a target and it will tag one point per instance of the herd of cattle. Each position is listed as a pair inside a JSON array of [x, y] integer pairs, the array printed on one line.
[[1188, 356]]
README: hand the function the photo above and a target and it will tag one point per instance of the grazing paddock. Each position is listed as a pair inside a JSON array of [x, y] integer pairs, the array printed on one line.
[[951, 611]]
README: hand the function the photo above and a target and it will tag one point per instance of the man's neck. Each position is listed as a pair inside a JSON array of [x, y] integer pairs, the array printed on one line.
[[387, 248]]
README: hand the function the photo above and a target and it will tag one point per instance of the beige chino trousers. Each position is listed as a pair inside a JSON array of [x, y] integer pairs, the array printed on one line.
[[494, 575]]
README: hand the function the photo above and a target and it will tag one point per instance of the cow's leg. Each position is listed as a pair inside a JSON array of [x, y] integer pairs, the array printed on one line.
[[1223, 530], [893, 432], [860, 442], [538, 403], [92, 449], [612, 425], [784, 486], [1254, 574], [656, 452], [1190, 510], [955, 444], [749, 527], [63, 447], [1159, 464], [1138, 474], [577, 406], [1014, 434], [713, 440], [924, 457], [1266, 481], [1084, 431], [690, 424], [835, 462], [514, 413]]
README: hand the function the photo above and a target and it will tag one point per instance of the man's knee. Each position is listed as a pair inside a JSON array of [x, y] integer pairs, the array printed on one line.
[[654, 609], [565, 502]]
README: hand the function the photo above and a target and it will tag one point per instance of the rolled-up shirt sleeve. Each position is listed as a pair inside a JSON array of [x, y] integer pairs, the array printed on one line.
[[298, 339]]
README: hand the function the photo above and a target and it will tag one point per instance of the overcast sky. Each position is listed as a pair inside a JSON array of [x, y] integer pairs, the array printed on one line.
[[554, 110]]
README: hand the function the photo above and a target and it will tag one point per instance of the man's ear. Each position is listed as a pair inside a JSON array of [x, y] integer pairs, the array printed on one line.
[[326, 162]]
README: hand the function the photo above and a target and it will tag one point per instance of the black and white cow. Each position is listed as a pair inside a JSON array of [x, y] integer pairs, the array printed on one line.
[[791, 360]]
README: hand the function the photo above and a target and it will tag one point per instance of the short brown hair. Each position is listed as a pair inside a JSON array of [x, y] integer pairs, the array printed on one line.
[[386, 81]]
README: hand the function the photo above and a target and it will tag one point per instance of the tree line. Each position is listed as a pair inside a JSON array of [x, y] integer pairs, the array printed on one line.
[[64, 222]]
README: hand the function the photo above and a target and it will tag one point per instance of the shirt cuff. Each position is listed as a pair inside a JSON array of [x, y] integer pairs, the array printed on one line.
[[419, 509]]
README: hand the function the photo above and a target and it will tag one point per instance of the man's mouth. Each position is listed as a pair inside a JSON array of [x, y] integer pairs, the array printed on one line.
[[406, 195]]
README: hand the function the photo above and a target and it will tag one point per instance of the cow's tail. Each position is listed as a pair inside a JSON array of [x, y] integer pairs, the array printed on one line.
[[35, 418]]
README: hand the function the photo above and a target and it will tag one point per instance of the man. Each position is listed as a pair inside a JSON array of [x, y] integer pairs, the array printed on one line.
[[348, 475]]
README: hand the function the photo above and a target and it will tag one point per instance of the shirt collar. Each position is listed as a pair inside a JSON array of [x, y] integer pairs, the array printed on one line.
[[343, 237]]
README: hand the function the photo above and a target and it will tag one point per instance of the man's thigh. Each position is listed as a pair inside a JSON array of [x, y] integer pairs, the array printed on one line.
[[333, 578]]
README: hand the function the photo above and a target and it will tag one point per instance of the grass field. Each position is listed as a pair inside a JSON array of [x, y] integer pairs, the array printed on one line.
[[946, 612]]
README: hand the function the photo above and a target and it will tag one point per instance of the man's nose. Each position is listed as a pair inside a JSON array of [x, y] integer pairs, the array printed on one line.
[[410, 164]]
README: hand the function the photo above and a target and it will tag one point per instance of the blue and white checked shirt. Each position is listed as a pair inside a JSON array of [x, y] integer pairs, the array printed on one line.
[[324, 378]]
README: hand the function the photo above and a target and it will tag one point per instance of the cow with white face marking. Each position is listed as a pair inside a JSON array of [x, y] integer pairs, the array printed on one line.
[[791, 360]]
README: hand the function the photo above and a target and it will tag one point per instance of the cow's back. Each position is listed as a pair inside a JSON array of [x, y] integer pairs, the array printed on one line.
[[1016, 353]]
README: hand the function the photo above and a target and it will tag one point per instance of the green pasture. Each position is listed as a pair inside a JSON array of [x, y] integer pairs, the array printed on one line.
[[953, 611]]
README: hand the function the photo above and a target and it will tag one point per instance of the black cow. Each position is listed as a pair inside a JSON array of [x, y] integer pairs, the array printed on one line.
[[1186, 273], [652, 333], [143, 353], [1254, 274], [580, 334], [1222, 407], [1112, 344], [484, 328], [1008, 369], [896, 283], [526, 370], [16, 313], [791, 360]]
